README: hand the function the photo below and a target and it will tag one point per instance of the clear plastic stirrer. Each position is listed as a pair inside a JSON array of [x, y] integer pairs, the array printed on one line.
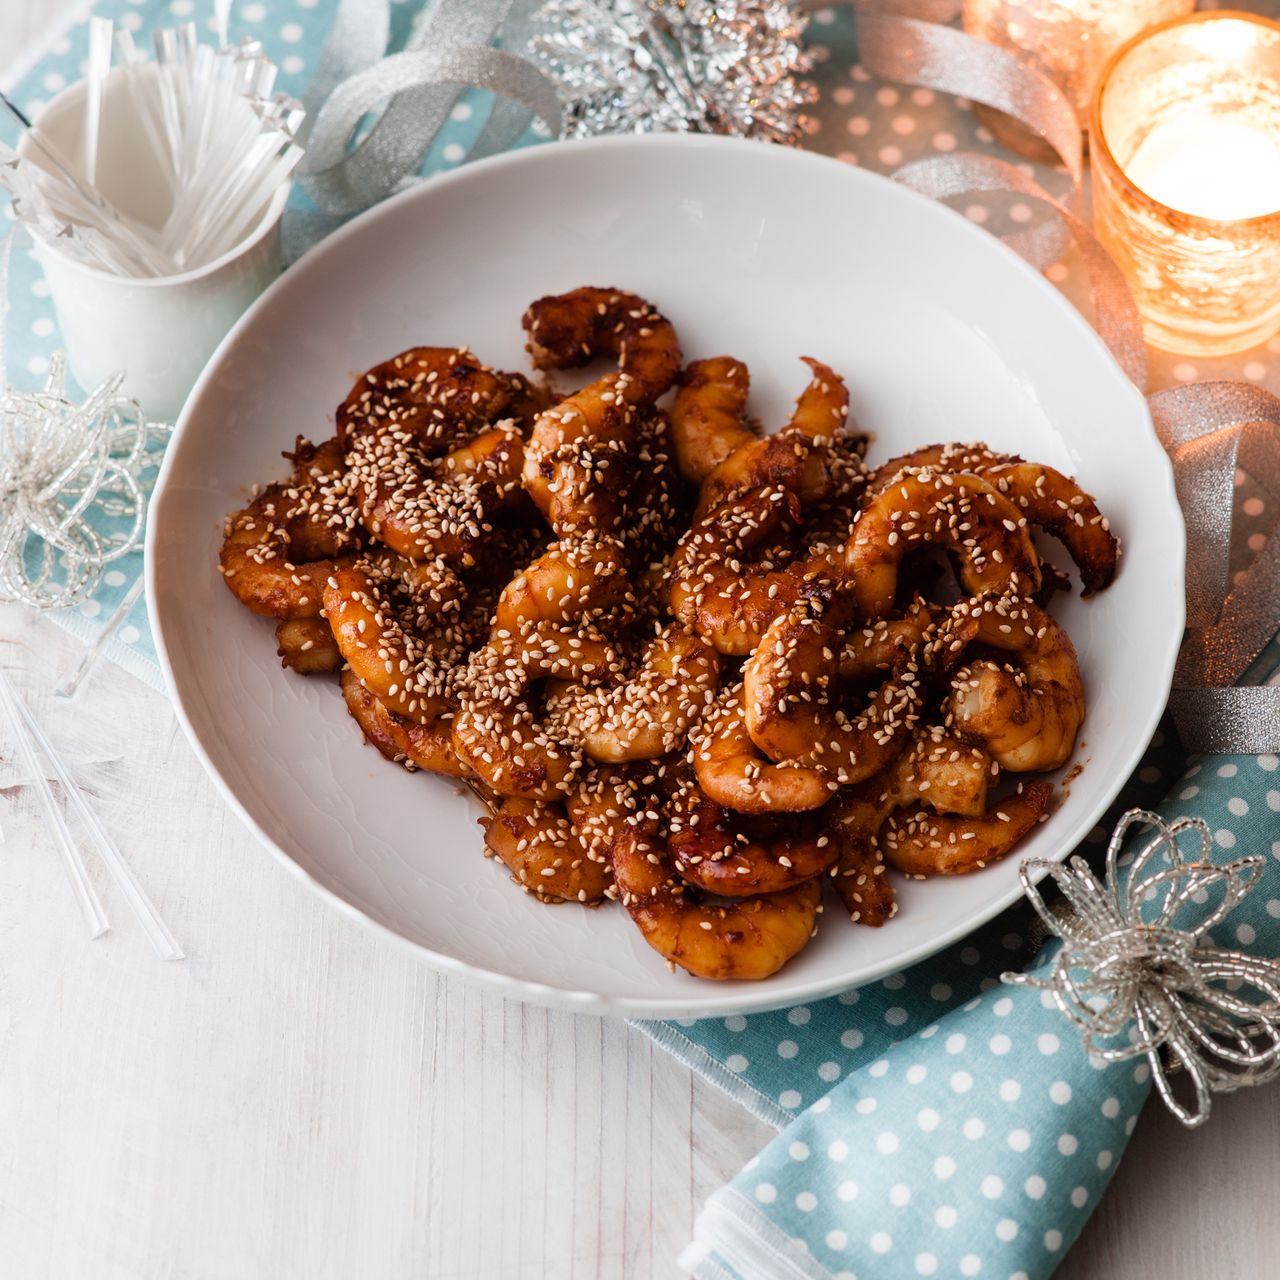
[[86, 896], [166, 947]]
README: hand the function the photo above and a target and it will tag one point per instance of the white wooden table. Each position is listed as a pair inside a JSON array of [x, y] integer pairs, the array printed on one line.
[[299, 1098]]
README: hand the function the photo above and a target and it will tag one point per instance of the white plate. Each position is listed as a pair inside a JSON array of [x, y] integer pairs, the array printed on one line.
[[764, 253]]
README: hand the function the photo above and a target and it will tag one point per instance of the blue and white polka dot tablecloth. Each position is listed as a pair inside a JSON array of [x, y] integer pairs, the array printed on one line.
[[933, 1123]]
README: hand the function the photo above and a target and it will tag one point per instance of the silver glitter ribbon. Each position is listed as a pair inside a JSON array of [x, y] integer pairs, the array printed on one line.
[[71, 501], [411, 93], [1139, 975]]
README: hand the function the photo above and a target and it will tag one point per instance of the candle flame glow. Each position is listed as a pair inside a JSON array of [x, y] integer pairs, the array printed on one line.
[[1212, 166]]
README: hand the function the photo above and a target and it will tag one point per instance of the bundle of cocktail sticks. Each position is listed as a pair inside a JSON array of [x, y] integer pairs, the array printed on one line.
[[208, 143]]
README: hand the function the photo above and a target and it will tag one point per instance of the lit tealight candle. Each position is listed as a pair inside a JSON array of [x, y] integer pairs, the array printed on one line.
[[1185, 142]]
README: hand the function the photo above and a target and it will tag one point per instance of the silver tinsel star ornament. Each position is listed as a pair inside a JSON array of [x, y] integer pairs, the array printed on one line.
[[1139, 974], [683, 66], [71, 498]]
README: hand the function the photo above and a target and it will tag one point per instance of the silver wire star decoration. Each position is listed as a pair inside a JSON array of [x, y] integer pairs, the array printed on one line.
[[1140, 976]]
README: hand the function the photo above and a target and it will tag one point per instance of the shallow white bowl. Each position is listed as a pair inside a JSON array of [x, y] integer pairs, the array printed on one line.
[[761, 252]]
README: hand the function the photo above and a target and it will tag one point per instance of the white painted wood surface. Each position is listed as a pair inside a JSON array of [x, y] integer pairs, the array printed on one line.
[[301, 1099]]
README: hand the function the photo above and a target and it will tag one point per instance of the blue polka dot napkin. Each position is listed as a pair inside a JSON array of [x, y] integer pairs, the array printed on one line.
[[938, 1122]]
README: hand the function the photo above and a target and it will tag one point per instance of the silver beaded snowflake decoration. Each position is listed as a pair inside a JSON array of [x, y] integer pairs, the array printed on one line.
[[1139, 974], [71, 498], [683, 66]]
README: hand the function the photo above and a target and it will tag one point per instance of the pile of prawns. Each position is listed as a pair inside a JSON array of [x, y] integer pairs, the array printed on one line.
[[722, 675]]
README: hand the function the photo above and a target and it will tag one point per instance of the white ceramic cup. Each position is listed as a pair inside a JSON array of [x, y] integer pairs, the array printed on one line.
[[160, 330]]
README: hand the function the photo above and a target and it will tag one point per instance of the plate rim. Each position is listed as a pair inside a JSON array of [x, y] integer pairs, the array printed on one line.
[[705, 1002]]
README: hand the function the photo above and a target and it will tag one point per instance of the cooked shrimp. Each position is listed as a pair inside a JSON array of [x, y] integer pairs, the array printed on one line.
[[422, 505], [1026, 717], [506, 743], [707, 418], [1049, 499], [543, 627], [307, 646], [796, 457], [649, 714], [858, 876], [654, 499], [544, 852], [884, 645], [576, 461], [921, 842], [731, 770], [400, 740], [572, 581], [599, 803], [958, 511], [571, 329], [433, 395], [953, 456], [715, 592], [735, 857], [751, 939], [392, 620], [1057, 504], [790, 695], [278, 551]]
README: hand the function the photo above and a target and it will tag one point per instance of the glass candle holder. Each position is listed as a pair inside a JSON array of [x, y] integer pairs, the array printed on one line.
[[1184, 135], [1069, 40]]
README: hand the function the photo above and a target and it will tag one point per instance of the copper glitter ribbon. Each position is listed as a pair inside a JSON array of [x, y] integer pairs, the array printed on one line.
[[1211, 429]]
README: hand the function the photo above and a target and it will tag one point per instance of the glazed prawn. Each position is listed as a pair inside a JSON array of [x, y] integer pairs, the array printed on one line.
[[1049, 499], [722, 853], [571, 581], [958, 511], [575, 460], [279, 550], [715, 592], [649, 714], [500, 730], [795, 457], [422, 505], [731, 770], [392, 621], [858, 876], [790, 691], [929, 813], [1027, 717], [920, 842], [571, 329], [435, 395], [307, 646], [750, 939], [399, 739], [707, 417], [544, 852]]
